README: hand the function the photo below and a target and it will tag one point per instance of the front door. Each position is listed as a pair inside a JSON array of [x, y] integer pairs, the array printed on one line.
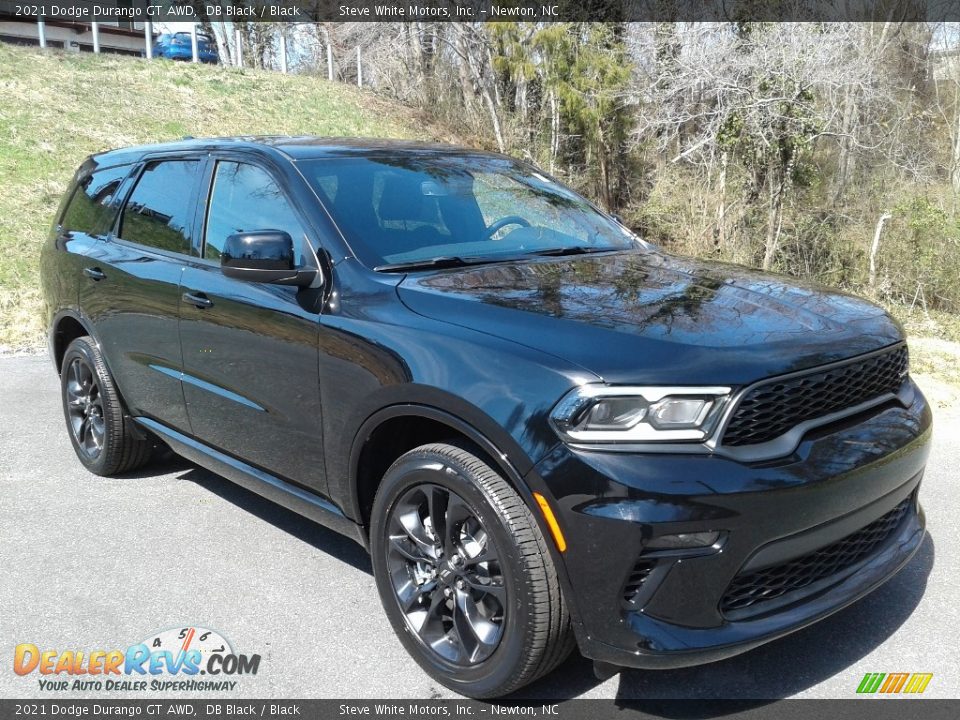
[[250, 350]]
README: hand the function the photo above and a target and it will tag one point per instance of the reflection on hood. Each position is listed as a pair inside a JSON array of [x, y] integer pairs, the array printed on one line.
[[596, 310]]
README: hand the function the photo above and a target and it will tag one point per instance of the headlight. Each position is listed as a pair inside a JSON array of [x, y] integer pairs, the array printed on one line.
[[609, 414]]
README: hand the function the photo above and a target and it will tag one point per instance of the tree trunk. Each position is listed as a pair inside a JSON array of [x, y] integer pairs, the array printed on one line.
[[520, 100], [474, 65], [493, 78], [494, 119], [955, 170], [845, 159], [721, 235], [467, 89], [875, 248], [774, 219], [410, 49], [221, 34], [554, 129], [604, 188]]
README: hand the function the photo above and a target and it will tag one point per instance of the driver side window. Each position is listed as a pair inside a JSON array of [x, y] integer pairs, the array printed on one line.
[[246, 198]]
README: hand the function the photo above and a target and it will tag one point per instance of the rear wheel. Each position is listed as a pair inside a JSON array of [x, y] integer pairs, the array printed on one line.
[[104, 438], [464, 573]]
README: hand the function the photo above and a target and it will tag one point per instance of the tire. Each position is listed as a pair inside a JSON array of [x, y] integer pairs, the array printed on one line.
[[103, 436], [491, 557]]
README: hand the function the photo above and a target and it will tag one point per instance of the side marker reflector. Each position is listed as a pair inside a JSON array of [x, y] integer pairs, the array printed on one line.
[[551, 522]]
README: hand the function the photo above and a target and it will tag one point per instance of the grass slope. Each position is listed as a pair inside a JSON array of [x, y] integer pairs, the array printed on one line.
[[57, 108]]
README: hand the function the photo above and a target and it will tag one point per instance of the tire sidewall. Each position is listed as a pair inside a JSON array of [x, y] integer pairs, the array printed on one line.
[[87, 353], [506, 660]]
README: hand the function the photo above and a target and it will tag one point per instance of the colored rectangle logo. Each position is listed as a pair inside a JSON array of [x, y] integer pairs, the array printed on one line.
[[898, 683]]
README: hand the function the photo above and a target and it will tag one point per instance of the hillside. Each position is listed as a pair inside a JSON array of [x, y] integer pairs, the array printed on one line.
[[59, 108]]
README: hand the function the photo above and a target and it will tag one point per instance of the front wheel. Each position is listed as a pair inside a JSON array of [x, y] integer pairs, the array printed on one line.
[[465, 575]]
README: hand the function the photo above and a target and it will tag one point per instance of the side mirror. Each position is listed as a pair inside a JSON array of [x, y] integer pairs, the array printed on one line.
[[264, 256]]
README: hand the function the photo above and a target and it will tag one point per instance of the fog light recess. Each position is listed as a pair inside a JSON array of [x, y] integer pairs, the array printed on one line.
[[683, 541]]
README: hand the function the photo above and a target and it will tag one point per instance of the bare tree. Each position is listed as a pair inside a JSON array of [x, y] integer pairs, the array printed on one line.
[[767, 95]]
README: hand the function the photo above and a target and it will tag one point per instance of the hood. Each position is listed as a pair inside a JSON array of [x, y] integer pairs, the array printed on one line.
[[647, 317]]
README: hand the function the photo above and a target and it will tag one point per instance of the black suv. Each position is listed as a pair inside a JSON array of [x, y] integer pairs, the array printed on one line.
[[547, 431]]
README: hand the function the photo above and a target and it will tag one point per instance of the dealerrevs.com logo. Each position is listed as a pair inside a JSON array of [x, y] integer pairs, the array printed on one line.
[[166, 661]]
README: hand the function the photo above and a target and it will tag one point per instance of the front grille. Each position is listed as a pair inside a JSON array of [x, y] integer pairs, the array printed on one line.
[[771, 409], [757, 587]]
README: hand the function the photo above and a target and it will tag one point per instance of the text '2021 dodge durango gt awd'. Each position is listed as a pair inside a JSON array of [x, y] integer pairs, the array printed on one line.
[[546, 431]]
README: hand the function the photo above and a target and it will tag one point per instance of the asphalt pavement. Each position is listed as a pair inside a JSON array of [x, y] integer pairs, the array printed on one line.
[[96, 563]]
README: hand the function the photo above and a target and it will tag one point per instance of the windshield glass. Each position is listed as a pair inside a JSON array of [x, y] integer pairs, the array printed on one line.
[[406, 208]]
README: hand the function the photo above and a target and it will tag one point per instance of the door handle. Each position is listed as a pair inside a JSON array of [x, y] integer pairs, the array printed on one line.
[[198, 300], [94, 273]]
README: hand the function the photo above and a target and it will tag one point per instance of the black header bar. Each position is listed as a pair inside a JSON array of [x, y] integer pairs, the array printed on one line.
[[485, 10]]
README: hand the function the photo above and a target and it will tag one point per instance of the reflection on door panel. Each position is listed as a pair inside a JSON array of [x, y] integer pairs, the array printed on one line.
[[267, 413], [138, 302]]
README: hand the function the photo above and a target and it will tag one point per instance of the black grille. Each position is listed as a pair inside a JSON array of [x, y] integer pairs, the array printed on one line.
[[771, 409], [756, 587], [638, 576]]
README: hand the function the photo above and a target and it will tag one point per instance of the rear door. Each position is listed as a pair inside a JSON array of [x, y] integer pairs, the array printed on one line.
[[80, 231], [133, 287], [250, 350]]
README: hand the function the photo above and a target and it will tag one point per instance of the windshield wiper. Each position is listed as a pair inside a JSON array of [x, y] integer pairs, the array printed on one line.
[[573, 250], [454, 261], [444, 261]]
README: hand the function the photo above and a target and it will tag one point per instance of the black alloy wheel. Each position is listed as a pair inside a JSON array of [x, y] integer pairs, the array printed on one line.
[[446, 575], [85, 408], [465, 574], [103, 435]]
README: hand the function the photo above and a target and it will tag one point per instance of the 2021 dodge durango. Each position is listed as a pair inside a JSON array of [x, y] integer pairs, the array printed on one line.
[[547, 431]]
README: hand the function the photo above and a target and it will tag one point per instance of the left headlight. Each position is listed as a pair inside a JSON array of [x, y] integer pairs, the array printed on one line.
[[592, 414]]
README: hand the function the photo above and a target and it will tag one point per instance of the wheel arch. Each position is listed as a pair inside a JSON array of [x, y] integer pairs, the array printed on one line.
[[502, 452], [66, 327], [421, 424]]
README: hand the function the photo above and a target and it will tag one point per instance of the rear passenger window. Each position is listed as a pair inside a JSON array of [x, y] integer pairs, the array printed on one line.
[[89, 209], [158, 213], [246, 198]]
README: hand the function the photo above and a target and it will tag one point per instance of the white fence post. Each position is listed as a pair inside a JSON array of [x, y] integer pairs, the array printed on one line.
[[41, 32], [148, 39], [283, 53], [239, 49], [329, 61], [95, 31], [359, 69], [193, 43]]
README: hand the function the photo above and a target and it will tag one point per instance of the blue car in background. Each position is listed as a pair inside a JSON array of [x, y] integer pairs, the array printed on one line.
[[177, 46]]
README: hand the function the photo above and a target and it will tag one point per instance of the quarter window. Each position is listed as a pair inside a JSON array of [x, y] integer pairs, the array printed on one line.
[[158, 213], [89, 208], [246, 198]]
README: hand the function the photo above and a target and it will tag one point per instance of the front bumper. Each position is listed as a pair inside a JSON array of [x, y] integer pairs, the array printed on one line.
[[638, 607]]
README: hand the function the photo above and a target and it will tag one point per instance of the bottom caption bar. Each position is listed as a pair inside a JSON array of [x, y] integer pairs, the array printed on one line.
[[851, 709]]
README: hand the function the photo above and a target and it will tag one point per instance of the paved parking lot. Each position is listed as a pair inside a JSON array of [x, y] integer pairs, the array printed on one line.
[[88, 562]]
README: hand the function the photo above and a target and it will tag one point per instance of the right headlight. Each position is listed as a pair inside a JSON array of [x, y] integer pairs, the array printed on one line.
[[596, 414]]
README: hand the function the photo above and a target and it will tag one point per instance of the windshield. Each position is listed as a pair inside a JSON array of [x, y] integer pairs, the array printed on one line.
[[409, 209]]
